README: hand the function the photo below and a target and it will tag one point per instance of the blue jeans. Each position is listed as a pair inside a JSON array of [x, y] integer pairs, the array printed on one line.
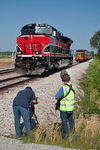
[[67, 117], [18, 112]]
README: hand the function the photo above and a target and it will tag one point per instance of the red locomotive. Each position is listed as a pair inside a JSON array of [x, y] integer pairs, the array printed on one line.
[[41, 47], [82, 55]]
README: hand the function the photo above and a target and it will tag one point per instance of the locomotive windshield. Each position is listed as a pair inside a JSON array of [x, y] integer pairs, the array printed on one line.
[[43, 30], [27, 31], [36, 29]]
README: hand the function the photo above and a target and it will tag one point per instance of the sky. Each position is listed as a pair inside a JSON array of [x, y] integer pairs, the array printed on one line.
[[76, 19]]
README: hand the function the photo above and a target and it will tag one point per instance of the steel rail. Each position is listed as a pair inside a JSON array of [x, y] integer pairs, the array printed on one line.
[[11, 78], [15, 83], [6, 70]]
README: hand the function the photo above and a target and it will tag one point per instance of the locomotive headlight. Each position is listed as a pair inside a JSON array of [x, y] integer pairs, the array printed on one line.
[[19, 52], [33, 58], [37, 52]]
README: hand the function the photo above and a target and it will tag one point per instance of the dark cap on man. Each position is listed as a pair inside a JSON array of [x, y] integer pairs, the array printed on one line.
[[64, 76]]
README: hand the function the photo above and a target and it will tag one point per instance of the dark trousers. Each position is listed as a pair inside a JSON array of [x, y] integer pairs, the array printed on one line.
[[67, 117], [18, 112]]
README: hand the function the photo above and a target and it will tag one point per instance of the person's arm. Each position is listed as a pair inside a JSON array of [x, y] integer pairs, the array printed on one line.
[[35, 101], [60, 94], [34, 98]]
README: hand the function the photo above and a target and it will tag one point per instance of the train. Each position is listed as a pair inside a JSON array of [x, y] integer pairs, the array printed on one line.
[[41, 48], [82, 55]]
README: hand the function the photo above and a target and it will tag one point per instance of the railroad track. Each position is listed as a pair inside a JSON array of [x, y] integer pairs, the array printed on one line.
[[8, 82], [15, 80], [3, 71]]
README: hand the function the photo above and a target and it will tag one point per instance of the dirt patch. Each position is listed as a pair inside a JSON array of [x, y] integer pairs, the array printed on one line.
[[6, 63]]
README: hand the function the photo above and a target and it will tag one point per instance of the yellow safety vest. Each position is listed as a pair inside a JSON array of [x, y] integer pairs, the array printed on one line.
[[67, 103]]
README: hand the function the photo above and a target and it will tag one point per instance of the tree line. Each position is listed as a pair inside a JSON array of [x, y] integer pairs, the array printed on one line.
[[95, 42]]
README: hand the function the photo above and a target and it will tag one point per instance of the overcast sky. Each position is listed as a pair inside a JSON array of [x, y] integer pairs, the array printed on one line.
[[76, 19]]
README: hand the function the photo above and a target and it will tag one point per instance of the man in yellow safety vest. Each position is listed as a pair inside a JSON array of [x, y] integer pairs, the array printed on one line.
[[65, 100]]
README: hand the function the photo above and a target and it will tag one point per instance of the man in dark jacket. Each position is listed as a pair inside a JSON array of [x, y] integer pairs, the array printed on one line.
[[21, 108]]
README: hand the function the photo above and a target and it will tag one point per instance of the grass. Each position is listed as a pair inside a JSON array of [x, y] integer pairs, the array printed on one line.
[[87, 118], [6, 63], [51, 135], [90, 103]]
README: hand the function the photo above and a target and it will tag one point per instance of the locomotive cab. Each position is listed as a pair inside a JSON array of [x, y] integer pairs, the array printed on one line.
[[40, 47]]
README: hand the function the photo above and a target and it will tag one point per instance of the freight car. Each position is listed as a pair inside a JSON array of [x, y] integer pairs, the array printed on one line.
[[40, 48], [82, 55]]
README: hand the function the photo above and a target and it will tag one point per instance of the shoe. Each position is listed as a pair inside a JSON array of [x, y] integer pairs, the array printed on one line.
[[18, 137], [65, 136], [74, 138]]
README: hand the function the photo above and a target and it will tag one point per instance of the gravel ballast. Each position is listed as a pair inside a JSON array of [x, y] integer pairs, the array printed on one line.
[[45, 89]]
